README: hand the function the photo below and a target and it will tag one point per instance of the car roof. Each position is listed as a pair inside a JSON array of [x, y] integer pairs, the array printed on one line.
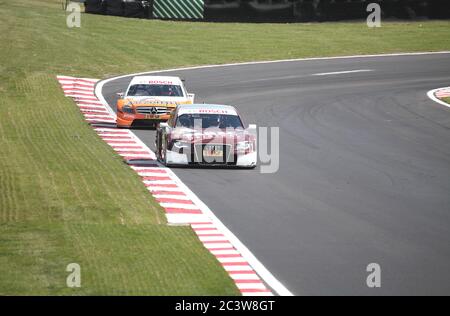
[[156, 79], [206, 108]]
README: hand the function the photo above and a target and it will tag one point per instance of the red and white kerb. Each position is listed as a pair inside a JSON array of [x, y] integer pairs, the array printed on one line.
[[163, 184]]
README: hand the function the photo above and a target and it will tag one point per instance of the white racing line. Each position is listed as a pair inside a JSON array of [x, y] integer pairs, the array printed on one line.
[[342, 72], [246, 254], [273, 62]]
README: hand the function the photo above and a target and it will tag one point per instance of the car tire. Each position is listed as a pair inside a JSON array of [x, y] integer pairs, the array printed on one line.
[[163, 153], [165, 158]]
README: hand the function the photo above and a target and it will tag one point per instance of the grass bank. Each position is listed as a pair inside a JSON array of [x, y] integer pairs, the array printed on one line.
[[447, 100]]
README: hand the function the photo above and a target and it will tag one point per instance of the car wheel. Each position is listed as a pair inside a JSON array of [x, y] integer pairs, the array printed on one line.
[[163, 153]]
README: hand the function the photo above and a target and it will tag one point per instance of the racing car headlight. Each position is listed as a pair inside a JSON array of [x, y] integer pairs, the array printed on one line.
[[179, 146], [127, 109], [244, 146]]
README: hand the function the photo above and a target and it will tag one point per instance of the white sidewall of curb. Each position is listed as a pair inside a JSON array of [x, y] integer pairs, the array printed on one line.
[[432, 96]]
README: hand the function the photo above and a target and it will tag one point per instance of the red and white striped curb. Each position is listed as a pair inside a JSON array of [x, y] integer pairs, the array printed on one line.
[[438, 94], [164, 185], [442, 93]]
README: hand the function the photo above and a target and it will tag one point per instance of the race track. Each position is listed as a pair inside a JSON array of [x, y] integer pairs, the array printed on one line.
[[364, 171]]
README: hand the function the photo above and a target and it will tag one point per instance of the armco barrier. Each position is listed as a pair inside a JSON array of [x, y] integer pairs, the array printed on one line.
[[95, 6], [439, 9], [137, 9], [269, 10], [178, 9], [114, 7], [341, 10]]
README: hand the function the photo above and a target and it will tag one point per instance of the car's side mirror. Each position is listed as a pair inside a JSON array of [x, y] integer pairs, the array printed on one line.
[[191, 97], [120, 94], [252, 126]]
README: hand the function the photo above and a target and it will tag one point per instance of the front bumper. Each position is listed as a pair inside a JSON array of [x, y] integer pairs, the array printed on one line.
[[129, 119], [240, 160]]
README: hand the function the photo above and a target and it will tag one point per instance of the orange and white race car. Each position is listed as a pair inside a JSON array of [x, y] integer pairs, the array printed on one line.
[[150, 100]]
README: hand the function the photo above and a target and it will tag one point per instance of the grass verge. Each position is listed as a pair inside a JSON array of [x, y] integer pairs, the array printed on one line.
[[65, 197], [447, 100]]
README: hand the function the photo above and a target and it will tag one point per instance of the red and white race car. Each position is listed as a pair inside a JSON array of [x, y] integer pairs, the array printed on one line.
[[209, 135]]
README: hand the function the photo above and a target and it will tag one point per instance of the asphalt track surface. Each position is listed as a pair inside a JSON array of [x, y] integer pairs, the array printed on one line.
[[364, 171]]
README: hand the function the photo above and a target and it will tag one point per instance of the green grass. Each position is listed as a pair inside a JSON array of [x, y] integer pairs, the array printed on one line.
[[446, 100], [64, 195]]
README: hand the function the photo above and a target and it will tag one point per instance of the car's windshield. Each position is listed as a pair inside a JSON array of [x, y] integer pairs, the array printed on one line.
[[209, 121], [155, 90]]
